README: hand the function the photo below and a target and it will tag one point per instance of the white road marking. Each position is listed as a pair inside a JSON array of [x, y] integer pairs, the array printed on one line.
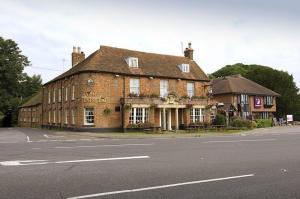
[[106, 145], [159, 187], [40, 162], [232, 141], [28, 139], [46, 136]]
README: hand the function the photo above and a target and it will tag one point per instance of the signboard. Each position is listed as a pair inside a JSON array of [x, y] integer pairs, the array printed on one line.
[[257, 102], [289, 118], [92, 97]]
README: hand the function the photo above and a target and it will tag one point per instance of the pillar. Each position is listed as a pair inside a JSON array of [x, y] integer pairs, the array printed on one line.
[[164, 119], [170, 119], [176, 119]]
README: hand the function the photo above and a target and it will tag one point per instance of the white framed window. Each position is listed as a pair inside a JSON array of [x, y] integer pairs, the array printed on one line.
[[59, 95], [268, 100], [66, 94], [66, 116], [164, 88], [33, 119], [244, 99], [184, 68], [196, 115], [73, 116], [49, 97], [190, 89], [139, 115], [73, 92], [89, 116], [49, 117], [58, 116], [133, 62], [54, 95], [54, 116], [135, 86]]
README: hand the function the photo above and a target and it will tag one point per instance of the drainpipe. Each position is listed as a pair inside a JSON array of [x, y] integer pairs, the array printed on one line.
[[42, 107]]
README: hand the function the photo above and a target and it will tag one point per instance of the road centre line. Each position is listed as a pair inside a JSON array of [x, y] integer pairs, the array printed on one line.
[[160, 187], [43, 162], [94, 146], [28, 139], [233, 141]]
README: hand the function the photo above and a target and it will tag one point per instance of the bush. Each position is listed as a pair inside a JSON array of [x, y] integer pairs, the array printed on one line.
[[219, 120], [1, 118], [242, 123], [264, 123]]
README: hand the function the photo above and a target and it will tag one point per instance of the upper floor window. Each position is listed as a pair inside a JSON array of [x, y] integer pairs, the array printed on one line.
[[66, 94], [244, 99], [54, 95], [73, 92], [49, 97], [59, 95], [184, 68], [135, 86], [133, 62], [190, 89], [164, 88], [268, 100]]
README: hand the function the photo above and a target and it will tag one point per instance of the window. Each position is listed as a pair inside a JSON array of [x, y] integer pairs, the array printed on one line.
[[54, 95], [89, 116], [135, 86], [49, 97], [264, 115], [54, 116], [164, 87], [66, 94], [59, 95], [139, 115], [196, 115], [66, 116], [33, 119], [73, 92], [184, 68], [58, 116], [268, 100], [244, 99], [73, 116], [49, 117], [190, 89], [132, 62]]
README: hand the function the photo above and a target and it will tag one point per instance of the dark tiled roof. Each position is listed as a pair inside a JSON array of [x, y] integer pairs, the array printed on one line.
[[239, 85], [34, 100], [112, 60]]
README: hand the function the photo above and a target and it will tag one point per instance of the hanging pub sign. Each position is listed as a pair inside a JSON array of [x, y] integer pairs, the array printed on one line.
[[257, 102]]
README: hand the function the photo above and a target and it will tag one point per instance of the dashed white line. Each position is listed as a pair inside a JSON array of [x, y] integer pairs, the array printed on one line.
[[105, 145], [232, 141], [46, 136], [43, 162], [159, 187], [28, 139]]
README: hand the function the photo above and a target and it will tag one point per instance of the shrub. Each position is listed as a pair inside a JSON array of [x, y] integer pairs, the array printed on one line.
[[219, 120], [107, 111], [264, 123], [242, 123]]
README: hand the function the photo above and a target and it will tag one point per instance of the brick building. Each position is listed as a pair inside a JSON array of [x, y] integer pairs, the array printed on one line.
[[243, 97], [114, 89], [30, 113]]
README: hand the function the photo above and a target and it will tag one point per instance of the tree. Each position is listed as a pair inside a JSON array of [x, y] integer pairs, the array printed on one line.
[[14, 84], [278, 81]]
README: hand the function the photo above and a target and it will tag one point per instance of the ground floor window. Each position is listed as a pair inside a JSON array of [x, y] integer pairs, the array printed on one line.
[[89, 116], [245, 114], [264, 115], [66, 116], [196, 115], [73, 116], [139, 115]]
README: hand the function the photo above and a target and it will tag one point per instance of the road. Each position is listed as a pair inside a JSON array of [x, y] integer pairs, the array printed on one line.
[[262, 164]]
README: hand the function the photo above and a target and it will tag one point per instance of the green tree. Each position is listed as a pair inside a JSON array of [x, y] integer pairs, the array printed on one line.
[[14, 84], [278, 81]]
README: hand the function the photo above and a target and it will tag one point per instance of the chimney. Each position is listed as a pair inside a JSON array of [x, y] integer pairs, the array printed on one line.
[[188, 52], [77, 56]]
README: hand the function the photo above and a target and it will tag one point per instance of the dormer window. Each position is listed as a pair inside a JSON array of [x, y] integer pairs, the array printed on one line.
[[184, 68], [133, 62]]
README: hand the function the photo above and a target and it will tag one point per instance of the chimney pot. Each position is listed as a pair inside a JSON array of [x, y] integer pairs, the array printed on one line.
[[77, 56], [78, 49], [189, 51], [74, 49]]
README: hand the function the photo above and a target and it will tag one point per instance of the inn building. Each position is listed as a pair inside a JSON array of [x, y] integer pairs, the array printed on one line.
[[116, 89]]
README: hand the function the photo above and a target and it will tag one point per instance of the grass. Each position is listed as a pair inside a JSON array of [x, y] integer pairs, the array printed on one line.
[[166, 134]]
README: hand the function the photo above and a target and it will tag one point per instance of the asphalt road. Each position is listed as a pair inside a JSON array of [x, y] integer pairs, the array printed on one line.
[[263, 164]]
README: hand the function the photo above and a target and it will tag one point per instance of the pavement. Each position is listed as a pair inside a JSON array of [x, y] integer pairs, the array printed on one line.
[[263, 163]]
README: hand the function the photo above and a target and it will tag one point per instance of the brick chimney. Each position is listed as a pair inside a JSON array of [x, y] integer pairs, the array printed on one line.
[[77, 56], [188, 52]]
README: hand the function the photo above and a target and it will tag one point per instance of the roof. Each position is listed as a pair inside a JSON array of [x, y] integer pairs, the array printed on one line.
[[34, 100], [112, 60], [236, 84]]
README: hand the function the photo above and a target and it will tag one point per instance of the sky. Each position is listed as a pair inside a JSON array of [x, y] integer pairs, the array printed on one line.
[[222, 32]]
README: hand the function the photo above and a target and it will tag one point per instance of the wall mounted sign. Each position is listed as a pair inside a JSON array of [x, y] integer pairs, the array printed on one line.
[[257, 102], [92, 97]]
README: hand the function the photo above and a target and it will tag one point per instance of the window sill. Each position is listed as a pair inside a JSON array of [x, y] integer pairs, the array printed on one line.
[[88, 125]]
